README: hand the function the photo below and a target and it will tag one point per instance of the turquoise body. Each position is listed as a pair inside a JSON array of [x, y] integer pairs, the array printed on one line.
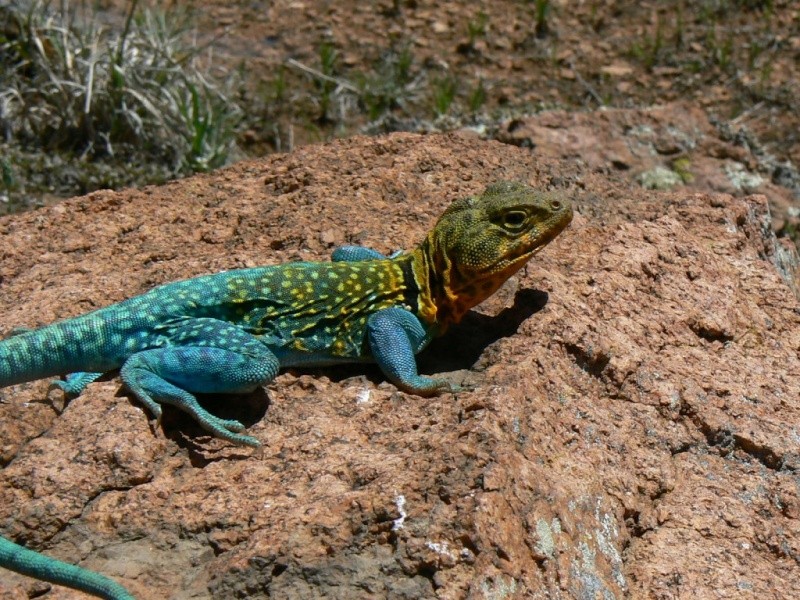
[[303, 312], [256, 320]]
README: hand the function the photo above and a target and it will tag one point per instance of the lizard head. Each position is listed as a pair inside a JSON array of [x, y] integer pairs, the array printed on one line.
[[480, 241]]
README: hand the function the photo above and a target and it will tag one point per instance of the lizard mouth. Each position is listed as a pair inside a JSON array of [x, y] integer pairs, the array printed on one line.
[[526, 251]]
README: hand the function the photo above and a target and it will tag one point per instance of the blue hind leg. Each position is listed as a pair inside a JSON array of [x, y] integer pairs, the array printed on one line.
[[75, 383], [209, 356]]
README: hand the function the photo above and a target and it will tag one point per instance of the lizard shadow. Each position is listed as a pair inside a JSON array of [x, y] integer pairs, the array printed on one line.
[[462, 346], [249, 409]]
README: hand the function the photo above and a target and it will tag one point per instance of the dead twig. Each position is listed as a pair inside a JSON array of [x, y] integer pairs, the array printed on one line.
[[345, 85]]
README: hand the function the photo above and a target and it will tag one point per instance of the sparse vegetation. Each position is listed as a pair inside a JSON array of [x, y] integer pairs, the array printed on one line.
[[476, 28], [83, 94], [541, 12], [326, 85], [647, 49], [395, 84], [391, 84], [444, 92], [477, 97], [713, 43]]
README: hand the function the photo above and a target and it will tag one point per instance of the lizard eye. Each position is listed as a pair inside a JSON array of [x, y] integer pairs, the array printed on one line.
[[514, 219]]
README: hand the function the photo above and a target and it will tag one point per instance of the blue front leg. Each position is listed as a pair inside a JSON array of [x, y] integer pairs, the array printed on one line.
[[209, 356], [395, 335]]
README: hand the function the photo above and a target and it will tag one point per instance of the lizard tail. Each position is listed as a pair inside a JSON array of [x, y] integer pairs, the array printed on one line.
[[27, 562], [57, 349]]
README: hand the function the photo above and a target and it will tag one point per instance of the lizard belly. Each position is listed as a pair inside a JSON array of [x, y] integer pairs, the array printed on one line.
[[297, 358]]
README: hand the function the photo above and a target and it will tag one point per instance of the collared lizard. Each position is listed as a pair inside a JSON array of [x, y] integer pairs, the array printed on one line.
[[231, 332]]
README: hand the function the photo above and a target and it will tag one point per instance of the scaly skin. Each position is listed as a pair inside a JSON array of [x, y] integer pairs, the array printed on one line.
[[232, 332]]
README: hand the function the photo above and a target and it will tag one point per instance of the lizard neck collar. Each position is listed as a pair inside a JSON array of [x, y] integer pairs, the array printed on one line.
[[438, 302]]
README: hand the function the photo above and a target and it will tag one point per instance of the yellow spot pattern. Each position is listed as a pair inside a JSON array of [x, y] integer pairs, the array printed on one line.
[[317, 307]]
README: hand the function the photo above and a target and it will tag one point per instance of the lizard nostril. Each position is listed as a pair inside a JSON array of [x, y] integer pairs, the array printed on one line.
[[555, 205]]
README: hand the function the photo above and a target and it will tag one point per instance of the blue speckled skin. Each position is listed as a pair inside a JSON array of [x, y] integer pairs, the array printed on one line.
[[231, 332]]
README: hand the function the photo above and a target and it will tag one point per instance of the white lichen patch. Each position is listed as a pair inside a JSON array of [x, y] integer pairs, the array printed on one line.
[[499, 588], [547, 532], [659, 178], [741, 178], [400, 503], [606, 537], [442, 548], [362, 397]]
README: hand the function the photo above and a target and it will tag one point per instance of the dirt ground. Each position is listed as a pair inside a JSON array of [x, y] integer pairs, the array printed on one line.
[[738, 59], [312, 71], [306, 72]]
